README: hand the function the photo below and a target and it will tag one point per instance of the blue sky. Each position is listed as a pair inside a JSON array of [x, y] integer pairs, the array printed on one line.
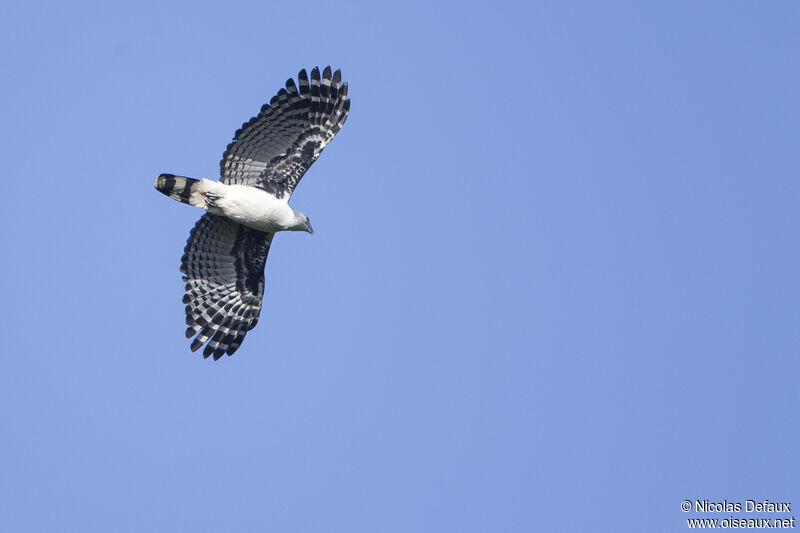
[[552, 286]]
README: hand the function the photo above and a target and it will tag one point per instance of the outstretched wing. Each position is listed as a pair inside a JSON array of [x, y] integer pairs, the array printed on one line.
[[274, 149], [223, 266]]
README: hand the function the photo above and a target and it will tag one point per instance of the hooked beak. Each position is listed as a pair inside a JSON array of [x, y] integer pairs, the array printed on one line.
[[309, 229]]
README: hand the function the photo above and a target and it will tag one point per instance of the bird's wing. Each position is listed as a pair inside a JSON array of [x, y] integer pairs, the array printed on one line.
[[223, 267], [274, 149]]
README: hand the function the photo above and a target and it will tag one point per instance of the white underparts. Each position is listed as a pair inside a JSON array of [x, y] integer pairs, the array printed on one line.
[[250, 206]]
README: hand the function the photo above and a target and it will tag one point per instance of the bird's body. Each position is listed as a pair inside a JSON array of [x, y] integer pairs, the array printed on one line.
[[258, 209], [224, 258], [245, 204]]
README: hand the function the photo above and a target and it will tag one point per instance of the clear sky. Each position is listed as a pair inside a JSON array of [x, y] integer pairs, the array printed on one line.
[[553, 284]]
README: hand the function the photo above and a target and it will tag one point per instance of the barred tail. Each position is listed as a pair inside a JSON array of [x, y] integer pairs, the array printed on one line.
[[185, 190]]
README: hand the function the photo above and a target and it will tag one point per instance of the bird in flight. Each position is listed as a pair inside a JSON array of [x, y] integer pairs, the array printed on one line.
[[223, 261]]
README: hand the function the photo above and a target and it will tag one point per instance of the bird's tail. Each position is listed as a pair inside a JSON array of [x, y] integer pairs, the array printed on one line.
[[185, 190]]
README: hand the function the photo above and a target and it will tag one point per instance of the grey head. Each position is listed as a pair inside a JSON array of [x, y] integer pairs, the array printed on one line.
[[301, 223]]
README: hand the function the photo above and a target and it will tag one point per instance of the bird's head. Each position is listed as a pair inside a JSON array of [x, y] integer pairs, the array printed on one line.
[[301, 223]]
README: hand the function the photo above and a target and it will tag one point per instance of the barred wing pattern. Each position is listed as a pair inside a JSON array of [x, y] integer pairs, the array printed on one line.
[[274, 149], [223, 266]]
